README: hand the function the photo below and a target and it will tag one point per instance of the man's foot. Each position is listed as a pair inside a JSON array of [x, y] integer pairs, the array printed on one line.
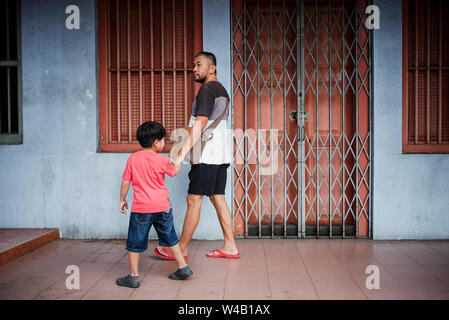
[[128, 281], [164, 253], [181, 274], [223, 254]]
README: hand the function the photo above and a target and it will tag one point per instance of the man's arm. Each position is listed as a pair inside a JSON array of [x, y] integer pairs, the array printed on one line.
[[194, 134], [123, 192]]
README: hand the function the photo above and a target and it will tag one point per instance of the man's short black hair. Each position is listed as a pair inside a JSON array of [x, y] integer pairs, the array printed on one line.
[[148, 132], [210, 56]]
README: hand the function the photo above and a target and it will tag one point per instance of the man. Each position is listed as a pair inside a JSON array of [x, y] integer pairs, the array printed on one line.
[[208, 177]]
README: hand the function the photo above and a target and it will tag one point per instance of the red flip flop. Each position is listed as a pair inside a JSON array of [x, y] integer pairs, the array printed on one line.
[[169, 256], [221, 254]]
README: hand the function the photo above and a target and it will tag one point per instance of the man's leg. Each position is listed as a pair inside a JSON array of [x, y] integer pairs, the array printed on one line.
[[225, 218], [190, 223]]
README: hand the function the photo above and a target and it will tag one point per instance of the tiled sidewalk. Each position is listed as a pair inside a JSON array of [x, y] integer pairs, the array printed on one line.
[[268, 269]]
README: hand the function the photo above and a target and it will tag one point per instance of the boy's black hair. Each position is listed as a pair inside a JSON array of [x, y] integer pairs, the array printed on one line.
[[148, 132], [210, 56]]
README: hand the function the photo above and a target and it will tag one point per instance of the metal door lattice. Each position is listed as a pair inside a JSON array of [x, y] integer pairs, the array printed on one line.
[[301, 116]]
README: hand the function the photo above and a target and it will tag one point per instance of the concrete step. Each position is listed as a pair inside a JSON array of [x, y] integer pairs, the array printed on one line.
[[15, 243]]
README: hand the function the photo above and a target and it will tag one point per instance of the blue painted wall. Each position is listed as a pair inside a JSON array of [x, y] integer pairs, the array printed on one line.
[[411, 198], [57, 178]]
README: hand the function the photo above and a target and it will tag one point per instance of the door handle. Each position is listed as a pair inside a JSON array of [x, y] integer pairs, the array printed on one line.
[[293, 115], [302, 115]]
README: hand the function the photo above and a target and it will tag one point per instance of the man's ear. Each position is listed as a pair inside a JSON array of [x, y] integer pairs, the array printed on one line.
[[212, 68]]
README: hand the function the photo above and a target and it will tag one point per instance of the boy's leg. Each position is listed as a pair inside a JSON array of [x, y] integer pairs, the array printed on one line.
[[133, 259], [139, 227], [132, 279], [176, 252], [183, 270], [167, 237]]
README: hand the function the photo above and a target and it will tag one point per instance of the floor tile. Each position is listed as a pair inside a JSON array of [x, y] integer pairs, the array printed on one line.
[[231, 294], [440, 271], [338, 289], [268, 269], [26, 287], [354, 259], [290, 283], [294, 294], [95, 294], [321, 260], [201, 294], [140, 294], [408, 271], [423, 285], [328, 271], [430, 259], [393, 259]]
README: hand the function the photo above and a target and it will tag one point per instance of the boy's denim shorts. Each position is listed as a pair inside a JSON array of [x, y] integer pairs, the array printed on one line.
[[140, 225]]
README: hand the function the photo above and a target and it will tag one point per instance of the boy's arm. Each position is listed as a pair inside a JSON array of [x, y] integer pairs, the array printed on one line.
[[123, 192], [177, 166], [172, 156]]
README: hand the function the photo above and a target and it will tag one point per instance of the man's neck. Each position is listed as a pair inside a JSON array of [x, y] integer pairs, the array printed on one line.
[[211, 78]]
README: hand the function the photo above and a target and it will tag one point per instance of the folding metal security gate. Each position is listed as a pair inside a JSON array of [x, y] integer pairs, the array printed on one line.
[[301, 118]]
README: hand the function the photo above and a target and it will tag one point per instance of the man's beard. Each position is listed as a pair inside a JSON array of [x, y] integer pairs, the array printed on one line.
[[200, 80]]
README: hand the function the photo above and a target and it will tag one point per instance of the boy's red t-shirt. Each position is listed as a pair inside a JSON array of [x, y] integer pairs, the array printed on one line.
[[146, 170]]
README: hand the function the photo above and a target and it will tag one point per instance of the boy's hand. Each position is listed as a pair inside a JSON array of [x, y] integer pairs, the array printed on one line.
[[123, 192], [123, 204]]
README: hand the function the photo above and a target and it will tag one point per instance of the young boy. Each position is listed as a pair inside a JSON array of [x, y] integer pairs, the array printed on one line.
[[146, 171]]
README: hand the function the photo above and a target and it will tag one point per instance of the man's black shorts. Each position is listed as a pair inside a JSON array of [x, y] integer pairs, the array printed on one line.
[[208, 179]]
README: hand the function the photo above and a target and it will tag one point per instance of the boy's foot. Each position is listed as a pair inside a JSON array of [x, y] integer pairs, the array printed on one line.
[[128, 281], [181, 273]]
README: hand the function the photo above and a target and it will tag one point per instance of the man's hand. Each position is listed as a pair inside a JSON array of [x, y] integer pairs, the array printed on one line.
[[180, 136], [178, 161], [194, 134], [186, 138], [123, 205]]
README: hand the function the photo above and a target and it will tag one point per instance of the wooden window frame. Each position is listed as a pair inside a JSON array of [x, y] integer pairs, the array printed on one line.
[[419, 147], [104, 144], [15, 137]]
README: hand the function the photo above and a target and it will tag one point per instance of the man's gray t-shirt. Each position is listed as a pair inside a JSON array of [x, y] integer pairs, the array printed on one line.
[[211, 102]]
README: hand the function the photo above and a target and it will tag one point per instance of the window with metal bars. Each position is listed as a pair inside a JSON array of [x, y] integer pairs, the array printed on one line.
[[146, 50], [10, 74], [425, 76]]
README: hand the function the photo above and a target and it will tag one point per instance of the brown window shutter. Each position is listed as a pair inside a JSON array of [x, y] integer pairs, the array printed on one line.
[[146, 48], [425, 76]]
